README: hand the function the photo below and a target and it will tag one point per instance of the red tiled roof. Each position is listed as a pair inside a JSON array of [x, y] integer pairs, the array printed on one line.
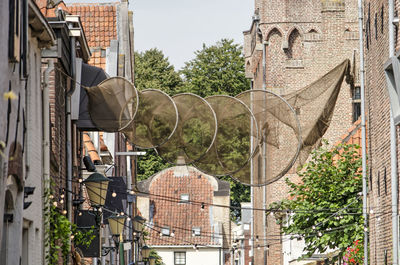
[[353, 136], [99, 21], [103, 146], [181, 217], [42, 4], [90, 148]]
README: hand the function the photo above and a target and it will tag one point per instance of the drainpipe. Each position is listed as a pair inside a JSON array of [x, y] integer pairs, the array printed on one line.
[[264, 85], [393, 150], [69, 127], [46, 141], [252, 191], [363, 131], [264, 154]]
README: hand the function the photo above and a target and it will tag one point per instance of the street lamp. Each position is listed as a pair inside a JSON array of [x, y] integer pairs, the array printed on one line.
[[146, 252], [96, 185], [138, 222], [116, 224], [152, 260]]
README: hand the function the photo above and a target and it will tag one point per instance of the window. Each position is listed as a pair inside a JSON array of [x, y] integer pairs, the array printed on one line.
[[379, 184], [151, 213], [184, 198], [196, 231], [384, 180], [14, 31], [356, 95], [165, 231], [179, 258]]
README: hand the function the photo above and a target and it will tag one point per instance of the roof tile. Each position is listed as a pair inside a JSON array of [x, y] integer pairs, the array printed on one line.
[[181, 217], [93, 17]]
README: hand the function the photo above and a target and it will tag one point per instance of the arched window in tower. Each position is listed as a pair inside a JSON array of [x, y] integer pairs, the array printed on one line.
[[275, 59], [295, 49], [312, 35]]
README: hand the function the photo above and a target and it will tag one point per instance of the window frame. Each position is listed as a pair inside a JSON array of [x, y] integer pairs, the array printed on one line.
[[184, 257], [182, 200], [164, 229], [196, 231]]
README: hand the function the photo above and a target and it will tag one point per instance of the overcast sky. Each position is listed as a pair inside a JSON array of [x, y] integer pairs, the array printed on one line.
[[180, 27]]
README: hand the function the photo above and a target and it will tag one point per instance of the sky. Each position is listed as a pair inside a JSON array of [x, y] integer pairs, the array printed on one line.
[[180, 27]]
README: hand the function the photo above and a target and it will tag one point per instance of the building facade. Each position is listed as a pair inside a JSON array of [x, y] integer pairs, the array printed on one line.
[[25, 33], [289, 45], [188, 216], [381, 59]]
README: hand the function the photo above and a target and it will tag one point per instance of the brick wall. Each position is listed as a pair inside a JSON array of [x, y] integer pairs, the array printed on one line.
[[305, 40], [58, 160], [376, 54]]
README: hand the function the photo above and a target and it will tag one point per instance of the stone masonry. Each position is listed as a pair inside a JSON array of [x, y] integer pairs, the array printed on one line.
[[305, 40], [376, 46]]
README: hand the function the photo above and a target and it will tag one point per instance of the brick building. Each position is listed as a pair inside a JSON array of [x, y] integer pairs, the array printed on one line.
[[376, 46], [25, 32], [302, 40], [108, 29], [186, 223]]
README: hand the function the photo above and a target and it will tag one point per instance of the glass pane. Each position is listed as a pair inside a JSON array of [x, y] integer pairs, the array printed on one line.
[[180, 258]]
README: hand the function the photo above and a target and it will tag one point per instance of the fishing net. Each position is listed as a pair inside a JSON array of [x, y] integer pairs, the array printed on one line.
[[236, 129], [155, 122], [255, 137], [196, 131], [108, 105]]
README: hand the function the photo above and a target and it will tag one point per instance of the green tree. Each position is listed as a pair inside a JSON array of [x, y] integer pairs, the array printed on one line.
[[325, 207], [153, 70], [217, 69], [150, 164]]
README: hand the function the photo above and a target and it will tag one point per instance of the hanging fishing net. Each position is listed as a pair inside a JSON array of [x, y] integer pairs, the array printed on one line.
[[236, 128], [196, 131], [155, 121], [256, 137], [112, 104]]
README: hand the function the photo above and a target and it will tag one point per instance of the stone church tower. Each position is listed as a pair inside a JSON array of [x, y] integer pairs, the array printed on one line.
[[290, 44]]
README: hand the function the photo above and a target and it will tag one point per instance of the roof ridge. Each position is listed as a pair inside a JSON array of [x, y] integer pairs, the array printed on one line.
[[94, 4]]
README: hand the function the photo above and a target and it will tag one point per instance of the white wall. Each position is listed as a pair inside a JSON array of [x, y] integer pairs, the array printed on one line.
[[33, 218], [292, 249], [208, 256]]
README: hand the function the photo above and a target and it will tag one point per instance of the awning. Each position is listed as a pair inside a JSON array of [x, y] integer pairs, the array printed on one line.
[[90, 76]]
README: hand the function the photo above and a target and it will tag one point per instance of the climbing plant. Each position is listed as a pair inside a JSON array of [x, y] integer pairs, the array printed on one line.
[[60, 232]]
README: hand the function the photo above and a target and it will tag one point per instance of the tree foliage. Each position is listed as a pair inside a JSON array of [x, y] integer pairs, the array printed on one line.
[[326, 205], [216, 69], [149, 165], [153, 70]]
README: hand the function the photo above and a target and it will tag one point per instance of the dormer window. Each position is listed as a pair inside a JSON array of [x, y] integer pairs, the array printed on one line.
[[165, 231], [184, 198], [196, 231]]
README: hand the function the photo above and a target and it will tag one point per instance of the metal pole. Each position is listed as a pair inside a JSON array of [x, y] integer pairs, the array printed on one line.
[[46, 144], [264, 153], [363, 131], [111, 242], [393, 151]]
